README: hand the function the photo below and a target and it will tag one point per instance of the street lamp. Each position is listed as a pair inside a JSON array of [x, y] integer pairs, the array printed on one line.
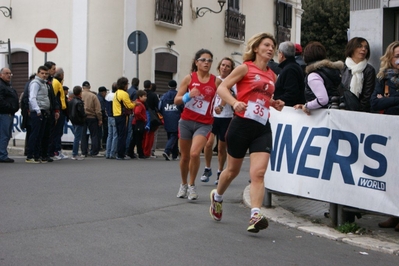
[[200, 12], [7, 12]]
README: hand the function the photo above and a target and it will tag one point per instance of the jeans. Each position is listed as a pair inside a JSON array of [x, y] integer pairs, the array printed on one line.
[[38, 127], [121, 128], [92, 125], [56, 135], [112, 140], [172, 146], [5, 134], [129, 133], [78, 132]]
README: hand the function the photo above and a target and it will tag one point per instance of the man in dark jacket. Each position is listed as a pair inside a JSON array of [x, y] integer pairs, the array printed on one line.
[[290, 84], [77, 116], [171, 115], [8, 106]]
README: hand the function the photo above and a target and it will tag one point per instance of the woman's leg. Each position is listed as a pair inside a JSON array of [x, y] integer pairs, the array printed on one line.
[[198, 143]]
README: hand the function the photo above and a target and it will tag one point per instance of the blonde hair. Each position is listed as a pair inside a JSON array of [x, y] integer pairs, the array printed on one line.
[[253, 43], [387, 58]]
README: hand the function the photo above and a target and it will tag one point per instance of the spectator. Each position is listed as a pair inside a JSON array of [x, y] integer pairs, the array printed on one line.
[[171, 115], [358, 76], [78, 116], [139, 121], [103, 129], [290, 83], [93, 121], [132, 95], [299, 58], [151, 104], [385, 98], [25, 113], [112, 139], [8, 107]]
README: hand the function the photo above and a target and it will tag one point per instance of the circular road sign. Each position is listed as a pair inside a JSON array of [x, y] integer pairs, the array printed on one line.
[[137, 42], [46, 40]]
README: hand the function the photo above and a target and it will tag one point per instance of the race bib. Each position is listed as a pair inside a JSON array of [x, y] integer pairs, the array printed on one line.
[[198, 105], [257, 111]]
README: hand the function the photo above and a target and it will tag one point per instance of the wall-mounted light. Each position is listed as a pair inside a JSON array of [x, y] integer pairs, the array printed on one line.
[[200, 12], [169, 44], [7, 12]]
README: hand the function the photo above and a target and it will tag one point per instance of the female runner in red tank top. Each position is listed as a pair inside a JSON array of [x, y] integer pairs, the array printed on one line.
[[250, 128], [196, 91]]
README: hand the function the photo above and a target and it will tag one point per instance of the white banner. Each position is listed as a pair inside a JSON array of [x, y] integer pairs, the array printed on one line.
[[344, 157], [18, 133]]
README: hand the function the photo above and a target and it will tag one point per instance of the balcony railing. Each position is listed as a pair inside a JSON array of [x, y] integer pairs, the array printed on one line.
[[235, 26], [169, 12]]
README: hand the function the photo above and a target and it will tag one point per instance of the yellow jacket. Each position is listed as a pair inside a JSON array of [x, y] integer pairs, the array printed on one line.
[[57, 87], [121, 96]]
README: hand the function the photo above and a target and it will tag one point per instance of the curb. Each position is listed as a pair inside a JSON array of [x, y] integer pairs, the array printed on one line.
[[282, 216]]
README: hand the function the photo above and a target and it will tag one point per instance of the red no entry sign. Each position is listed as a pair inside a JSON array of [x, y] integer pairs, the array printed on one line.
[[46, 40]]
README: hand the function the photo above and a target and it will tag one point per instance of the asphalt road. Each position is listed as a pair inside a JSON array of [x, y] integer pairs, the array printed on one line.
[[108, 212]]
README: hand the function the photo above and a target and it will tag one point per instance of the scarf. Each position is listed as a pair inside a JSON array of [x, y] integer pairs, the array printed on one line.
[[356, 85], [393, 76]]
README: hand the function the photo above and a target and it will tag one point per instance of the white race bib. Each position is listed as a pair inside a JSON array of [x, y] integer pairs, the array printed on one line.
[[198, 105], [257, 111]]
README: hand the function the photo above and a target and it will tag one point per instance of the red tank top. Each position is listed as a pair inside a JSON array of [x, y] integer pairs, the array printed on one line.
[[256, 89], [199, 109]]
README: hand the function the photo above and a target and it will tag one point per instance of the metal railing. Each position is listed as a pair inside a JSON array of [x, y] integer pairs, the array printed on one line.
[[235, 25], [169, 11]]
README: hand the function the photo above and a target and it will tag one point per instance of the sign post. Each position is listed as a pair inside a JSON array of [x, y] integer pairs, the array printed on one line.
[[46, 41], [137, 43]]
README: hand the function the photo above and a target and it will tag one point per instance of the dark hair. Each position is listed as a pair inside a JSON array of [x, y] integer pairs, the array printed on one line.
[[135, 82], [355, 43], [49, 64], [314, 51], [147, 84], [42, 68], [77, 90], [198, 55], [153, 87], [114, 88], [141, 93], [121, 83], [65, 88]]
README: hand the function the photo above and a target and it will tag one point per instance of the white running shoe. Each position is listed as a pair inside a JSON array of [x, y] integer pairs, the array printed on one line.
[[192, 193], [182, 191]]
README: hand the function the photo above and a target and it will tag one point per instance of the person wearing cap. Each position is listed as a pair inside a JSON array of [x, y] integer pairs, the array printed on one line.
[[290, 84], [171, 115], [298, 57], [103, 129], [93, 120]]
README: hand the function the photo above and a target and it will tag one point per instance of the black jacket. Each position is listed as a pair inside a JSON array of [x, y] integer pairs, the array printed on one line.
[[76, 110], [290, 83], [390, 105], [9, 103]]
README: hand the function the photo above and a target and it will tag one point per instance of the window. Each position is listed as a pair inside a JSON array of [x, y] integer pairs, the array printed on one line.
[[284, 15], [169, 13], [234, 23]]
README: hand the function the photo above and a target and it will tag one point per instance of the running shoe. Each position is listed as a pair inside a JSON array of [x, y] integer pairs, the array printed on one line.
[[256, 223], [215, 209], [192, 193], [217, 179], [205, 176], [77, 158], [182, 191]]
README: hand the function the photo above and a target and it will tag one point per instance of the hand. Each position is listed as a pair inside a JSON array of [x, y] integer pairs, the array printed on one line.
[[194, 92], [147, 128], [379, 96], [278, 104], [303, 108], [56, 116], [100, 123], [239, 106], [218, 109]]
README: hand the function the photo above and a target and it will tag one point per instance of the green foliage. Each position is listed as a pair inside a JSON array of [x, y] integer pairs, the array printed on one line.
[[326, 21], [348, 228]]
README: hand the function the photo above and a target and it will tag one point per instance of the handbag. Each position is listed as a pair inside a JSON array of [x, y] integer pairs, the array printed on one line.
[[155, 120], [349, 100], [125, 111]]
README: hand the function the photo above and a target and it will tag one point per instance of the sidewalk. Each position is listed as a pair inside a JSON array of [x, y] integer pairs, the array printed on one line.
[[308, 216]]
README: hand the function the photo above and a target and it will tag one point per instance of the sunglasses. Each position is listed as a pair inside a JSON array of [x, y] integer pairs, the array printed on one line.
[[209, 60]]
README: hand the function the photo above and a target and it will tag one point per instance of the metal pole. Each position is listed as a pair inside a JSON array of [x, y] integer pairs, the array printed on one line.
[[45, 57], [137, 53], [9, 55]]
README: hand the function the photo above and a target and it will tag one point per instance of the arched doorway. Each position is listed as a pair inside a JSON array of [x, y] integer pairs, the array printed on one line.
[[20, 65]]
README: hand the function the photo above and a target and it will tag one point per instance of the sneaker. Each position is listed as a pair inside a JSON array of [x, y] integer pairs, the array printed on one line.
[[62, 156], [166, 156], [192, 193], [257, 222], [31, 160], [182, 191], [153, 156], [77, 158], [215, 209], [46, 160], [217, 179], [57, 157], [205, 176]]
